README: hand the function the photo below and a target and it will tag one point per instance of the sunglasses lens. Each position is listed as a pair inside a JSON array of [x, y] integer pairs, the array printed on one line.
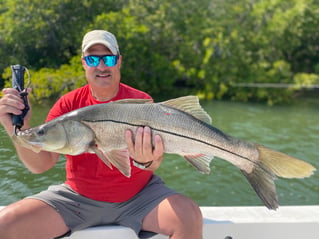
[[110, 60], [92, 61]]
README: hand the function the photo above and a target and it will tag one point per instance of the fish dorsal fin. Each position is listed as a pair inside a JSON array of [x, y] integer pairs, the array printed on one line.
[[189, 104], [134, 101]]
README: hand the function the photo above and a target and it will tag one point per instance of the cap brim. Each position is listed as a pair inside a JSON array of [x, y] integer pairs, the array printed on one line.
[[105, 43]]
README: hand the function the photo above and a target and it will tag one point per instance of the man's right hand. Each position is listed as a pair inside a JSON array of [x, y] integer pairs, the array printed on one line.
[[12, 103]]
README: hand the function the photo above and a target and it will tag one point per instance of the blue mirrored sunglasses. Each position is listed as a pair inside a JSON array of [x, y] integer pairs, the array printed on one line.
[[94, 61]]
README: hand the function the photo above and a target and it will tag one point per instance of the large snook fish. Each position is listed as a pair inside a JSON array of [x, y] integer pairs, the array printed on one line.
[[185, 129]]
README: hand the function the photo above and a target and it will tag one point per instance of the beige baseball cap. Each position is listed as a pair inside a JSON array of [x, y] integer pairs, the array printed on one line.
[[100, 37]]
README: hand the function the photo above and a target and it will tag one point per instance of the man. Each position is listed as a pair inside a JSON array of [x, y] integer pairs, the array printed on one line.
[[93, 194]]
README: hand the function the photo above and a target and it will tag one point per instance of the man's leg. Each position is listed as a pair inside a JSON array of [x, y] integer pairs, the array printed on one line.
[[31, 219], [176, 216]]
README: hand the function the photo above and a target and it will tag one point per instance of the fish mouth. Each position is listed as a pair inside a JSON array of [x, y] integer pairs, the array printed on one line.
[[26, 135], [23, 132], [35, 146], [27, 143]]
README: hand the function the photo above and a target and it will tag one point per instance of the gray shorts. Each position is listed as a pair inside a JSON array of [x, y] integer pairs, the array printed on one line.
[[80, 212]]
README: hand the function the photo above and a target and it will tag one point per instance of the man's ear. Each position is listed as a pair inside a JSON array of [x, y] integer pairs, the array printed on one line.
[[83, 63], [119, 60]]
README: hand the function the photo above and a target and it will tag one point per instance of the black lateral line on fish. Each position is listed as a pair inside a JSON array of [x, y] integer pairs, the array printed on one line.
[[172, 133]]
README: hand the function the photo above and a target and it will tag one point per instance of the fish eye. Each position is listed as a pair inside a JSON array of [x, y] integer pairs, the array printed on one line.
[[40, 132]]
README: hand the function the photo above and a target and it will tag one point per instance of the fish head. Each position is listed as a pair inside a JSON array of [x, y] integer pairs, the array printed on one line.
[[49, 137], [61, 136]]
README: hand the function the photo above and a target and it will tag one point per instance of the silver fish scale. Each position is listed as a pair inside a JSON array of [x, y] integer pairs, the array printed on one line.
[[182, 133]]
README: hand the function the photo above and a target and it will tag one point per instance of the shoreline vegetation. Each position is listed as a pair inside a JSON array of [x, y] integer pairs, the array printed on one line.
[[249, 51]]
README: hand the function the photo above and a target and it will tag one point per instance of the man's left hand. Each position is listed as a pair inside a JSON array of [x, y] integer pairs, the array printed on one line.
[[142, 150]]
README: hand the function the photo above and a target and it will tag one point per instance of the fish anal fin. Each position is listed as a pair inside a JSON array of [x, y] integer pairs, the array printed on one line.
[[189, 104], [200, 161]]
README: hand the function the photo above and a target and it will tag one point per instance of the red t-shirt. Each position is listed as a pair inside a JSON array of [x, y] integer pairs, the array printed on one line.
[[86, 173]]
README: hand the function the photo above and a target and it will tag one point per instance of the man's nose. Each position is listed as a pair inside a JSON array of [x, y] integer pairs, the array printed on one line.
[[101, 65]]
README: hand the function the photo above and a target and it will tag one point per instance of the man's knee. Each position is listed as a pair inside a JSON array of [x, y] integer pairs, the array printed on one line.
[[7, 227], [189, 219], [30, 218], [188, 211]]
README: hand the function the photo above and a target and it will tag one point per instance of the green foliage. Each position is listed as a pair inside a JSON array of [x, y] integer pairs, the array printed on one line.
[[46, 33], [169, 48], [49, 84]]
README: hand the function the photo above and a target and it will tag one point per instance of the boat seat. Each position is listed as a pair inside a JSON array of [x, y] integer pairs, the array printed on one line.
[[109, 232]]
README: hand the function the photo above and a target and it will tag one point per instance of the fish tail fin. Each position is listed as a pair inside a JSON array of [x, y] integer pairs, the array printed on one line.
[[263, 183], [271, 164], [284, 165]]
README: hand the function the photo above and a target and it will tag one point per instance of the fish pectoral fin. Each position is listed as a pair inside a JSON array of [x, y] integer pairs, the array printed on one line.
[[121, 160], [101, 155], [200, 161]]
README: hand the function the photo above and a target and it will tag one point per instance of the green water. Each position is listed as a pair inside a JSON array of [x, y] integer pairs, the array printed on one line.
[[293, 129]]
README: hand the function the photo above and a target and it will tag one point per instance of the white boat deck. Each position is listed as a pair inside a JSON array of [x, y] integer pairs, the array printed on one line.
[[288, 222]]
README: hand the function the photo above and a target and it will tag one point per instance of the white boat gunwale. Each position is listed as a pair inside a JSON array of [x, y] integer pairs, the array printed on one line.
[[287, 222]]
